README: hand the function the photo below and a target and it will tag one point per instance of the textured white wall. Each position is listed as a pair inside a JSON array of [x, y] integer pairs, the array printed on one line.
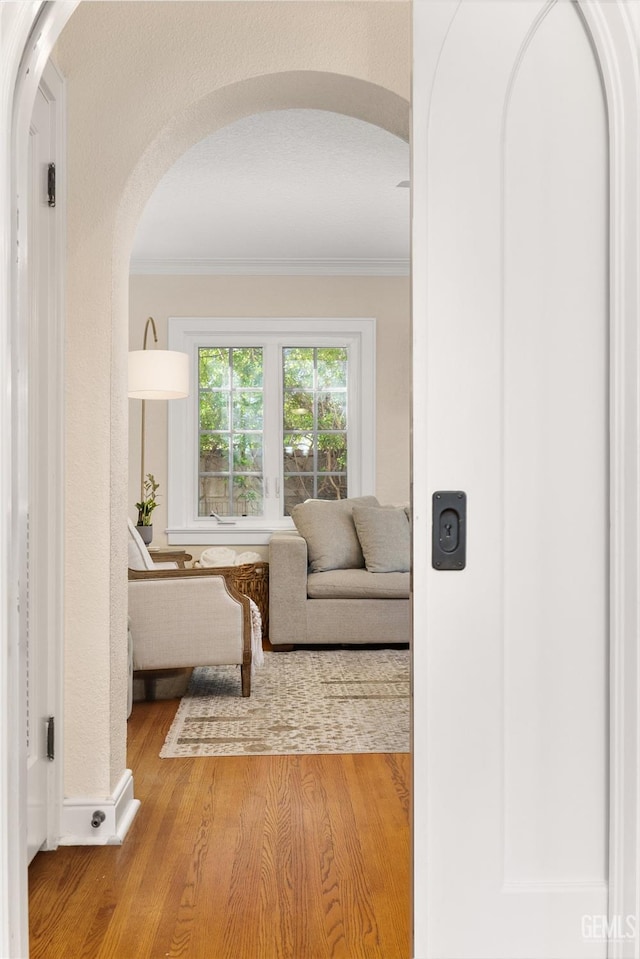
[[386, 298], [145, 82]]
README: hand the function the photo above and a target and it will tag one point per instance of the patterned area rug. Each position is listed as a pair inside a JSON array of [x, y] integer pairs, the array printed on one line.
[[306, 701]]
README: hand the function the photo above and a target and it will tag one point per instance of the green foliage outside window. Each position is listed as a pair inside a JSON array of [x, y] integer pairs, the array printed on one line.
[[314, 424], [231, 423], [231, 414]]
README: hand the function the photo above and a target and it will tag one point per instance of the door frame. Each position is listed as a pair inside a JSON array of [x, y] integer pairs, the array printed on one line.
[[614, 28], [48, 599], [28, 33], [616, 34]]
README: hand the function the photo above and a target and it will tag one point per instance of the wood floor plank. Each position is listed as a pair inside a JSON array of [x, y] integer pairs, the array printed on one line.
[[257, 857]]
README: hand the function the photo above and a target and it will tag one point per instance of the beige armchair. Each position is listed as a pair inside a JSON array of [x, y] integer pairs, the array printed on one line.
[[188, 617]]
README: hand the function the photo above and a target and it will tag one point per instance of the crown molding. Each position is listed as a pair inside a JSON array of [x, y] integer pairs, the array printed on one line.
[[271, 267]]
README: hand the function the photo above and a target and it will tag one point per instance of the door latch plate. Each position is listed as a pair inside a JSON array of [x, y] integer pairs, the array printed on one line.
[[449, 531]]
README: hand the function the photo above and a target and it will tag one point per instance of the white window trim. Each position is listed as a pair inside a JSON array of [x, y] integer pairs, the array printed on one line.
[[187, 334]]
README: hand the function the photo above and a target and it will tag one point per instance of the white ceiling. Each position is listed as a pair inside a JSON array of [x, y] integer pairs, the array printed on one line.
[[281, 192]]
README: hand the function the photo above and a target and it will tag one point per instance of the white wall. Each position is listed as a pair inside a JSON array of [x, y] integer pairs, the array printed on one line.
[[386, 298], [145, 82]]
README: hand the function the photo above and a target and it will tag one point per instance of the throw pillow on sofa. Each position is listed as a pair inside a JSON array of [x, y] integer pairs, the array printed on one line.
[[328, 528], [385, 538]]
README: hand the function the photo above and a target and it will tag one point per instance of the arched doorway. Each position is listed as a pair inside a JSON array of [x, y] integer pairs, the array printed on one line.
[[96, 769]]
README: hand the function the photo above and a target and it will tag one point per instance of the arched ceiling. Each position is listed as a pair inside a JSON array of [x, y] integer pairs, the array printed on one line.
[[285, 191]]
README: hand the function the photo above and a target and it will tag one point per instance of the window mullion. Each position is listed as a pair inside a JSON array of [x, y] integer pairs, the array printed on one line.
[[273, 429]]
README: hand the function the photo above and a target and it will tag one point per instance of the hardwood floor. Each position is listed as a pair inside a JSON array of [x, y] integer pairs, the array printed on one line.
[[260, 857]]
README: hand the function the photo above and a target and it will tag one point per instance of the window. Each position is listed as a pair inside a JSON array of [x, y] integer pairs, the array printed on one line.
[[230, 427], [315, 419], [280, 410]]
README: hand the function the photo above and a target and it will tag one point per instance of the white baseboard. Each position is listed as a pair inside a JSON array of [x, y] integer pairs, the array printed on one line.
[[119, 811]]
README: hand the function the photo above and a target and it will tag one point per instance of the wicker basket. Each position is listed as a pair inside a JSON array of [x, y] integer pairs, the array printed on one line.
[[252, 580]]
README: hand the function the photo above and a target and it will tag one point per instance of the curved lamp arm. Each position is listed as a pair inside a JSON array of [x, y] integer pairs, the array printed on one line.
[[155, 375]]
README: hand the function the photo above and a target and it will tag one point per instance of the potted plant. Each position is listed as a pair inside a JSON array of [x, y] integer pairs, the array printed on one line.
[[146, 507]]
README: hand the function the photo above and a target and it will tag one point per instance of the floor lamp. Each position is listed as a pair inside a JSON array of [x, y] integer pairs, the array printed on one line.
[[156, 375]]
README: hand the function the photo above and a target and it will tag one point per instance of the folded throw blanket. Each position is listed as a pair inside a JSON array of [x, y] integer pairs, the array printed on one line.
[[257, 654]]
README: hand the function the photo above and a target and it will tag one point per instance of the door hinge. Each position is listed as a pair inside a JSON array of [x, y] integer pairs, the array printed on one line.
[[51, 184], [51, 738]]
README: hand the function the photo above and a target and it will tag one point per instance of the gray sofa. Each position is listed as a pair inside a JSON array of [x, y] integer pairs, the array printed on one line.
[[312, 604]]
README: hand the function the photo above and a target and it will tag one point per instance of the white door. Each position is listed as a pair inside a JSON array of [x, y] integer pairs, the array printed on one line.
[[40, 485], [511, 396]]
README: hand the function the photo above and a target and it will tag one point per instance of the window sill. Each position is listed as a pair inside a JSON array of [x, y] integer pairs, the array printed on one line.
[[222, 534]]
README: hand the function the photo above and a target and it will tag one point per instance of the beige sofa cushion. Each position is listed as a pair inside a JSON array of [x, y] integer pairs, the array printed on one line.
[[357, 584], [385, 538], [328, 528]]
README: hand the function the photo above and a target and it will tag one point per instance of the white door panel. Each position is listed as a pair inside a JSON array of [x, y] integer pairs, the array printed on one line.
[[511, 745], [555, 567], [40, 473], [33, 623]]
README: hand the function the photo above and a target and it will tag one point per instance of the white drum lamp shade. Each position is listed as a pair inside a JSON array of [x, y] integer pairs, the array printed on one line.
[[158, 375]]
